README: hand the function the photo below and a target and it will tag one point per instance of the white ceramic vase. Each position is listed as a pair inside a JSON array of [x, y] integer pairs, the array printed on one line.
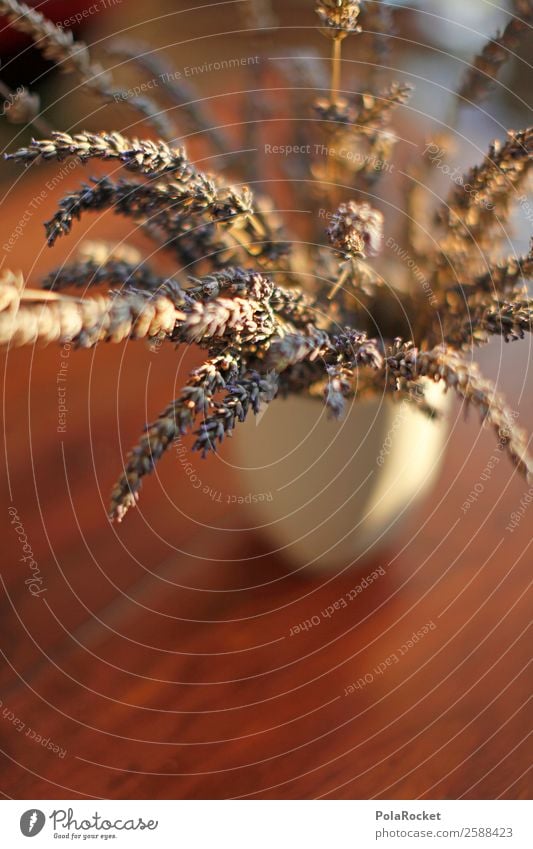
[[331, 494]]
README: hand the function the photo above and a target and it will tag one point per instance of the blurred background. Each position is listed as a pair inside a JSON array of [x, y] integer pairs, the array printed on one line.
[[161, 659]]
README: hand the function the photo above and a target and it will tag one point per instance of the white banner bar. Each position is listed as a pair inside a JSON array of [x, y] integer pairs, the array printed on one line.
[[268, 824]]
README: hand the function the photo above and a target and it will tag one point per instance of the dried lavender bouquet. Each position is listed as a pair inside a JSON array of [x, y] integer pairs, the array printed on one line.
[[238, 294]]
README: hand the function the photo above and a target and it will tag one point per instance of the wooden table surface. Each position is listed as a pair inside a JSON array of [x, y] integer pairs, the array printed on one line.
[[158, 663]]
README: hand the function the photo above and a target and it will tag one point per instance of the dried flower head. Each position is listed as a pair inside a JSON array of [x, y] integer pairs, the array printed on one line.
[[356, 229], [339, 17]]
